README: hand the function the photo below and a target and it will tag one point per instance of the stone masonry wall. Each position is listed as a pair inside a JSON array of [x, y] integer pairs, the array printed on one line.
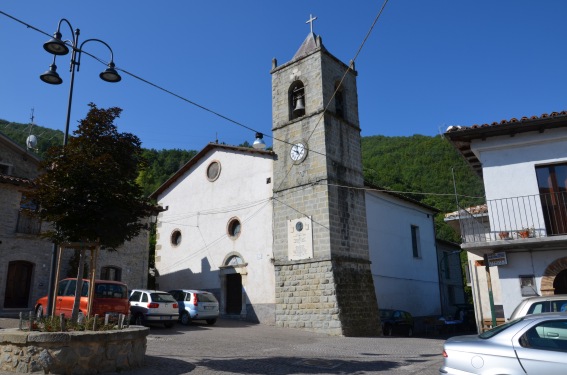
[[72, 352]]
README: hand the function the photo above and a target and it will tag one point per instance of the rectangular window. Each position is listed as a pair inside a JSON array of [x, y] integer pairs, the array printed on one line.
[[552, 183], [415, 241]]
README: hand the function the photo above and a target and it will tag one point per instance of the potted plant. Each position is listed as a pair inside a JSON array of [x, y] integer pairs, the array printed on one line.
[[525, 232], [504, 235]]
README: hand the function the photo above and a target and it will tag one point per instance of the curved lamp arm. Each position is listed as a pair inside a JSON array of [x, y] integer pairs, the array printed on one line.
[[57, 46], [110, 74]]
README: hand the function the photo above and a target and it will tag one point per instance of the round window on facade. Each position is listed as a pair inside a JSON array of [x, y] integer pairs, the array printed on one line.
[[213, 170], [234, 228], [176, 237]]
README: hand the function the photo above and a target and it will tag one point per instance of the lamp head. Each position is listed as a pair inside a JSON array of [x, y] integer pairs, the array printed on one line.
[[259, 143], [51, 76], [56, 46], [110, 74]]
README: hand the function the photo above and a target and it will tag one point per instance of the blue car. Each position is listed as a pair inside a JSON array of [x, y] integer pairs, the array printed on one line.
[[196, 305]]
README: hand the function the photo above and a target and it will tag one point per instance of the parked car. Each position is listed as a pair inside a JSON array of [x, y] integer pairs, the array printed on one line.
[[538, 305], [397, 322], [111, 297], [153, 306], [196, 305], [533, 344]]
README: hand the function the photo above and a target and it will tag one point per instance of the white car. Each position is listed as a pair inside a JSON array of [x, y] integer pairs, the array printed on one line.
[[533, 344], [153, 306]]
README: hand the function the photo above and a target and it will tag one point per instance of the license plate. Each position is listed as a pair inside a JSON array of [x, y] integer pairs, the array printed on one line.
[[209, 307], [165, 318]]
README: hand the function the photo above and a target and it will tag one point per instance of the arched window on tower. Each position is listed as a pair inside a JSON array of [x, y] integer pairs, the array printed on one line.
[[296, 100], [339, 101]]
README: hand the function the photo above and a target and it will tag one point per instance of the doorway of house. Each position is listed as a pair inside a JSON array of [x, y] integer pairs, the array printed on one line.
[[233, 293], [18, 282], [560, 282]]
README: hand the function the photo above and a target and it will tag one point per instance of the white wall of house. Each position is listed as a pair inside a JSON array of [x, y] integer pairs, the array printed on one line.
[[201, 210], [508, 162], [401, 280], [523, 264]]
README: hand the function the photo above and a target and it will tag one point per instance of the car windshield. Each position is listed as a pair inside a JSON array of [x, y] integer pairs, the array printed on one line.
[[162, 297], [386, 314], [496, 330]]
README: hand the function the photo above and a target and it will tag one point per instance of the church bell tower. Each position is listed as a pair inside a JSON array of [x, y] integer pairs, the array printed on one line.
[[321, 259]]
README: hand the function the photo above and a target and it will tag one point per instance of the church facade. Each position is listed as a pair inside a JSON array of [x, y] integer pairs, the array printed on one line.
[[282, 237]]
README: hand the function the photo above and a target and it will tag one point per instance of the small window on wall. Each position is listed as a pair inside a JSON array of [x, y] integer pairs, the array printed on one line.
[[176, 237], [111, 273], [213, 171], [416, 248], [527, 285], [233, 228]]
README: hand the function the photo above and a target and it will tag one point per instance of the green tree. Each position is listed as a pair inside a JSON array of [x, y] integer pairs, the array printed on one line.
[[89, 191]]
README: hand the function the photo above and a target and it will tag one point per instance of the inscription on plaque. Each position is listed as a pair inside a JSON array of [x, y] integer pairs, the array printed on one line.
[[300, 239]]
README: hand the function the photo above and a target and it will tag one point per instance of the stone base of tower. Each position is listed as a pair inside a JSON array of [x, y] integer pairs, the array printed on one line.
[[335, 297]]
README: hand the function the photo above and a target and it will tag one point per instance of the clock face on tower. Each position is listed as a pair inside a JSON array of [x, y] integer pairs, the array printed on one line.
[[298, 152]]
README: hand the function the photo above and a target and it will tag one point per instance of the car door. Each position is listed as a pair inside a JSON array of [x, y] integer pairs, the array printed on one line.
[[60, 294], [542, 349], [67, 299]]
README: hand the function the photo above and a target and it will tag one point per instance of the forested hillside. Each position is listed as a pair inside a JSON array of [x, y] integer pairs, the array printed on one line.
[[420, 167]]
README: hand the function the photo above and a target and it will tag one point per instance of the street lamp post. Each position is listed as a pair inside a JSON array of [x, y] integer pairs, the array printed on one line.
[[58, 47]]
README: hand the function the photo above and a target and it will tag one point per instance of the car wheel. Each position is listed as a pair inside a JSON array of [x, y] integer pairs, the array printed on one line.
[[138, 319], [388, 330], [168, 324], [211, 321], [410, 331], [39, 312], [185, 318]]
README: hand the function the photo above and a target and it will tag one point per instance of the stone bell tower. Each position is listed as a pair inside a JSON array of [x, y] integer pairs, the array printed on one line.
[[323, 278]]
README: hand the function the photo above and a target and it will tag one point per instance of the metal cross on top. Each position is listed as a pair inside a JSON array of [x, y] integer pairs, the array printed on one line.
[[310, 21]]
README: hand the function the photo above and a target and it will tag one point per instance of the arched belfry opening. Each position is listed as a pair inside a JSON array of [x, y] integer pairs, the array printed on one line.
[[296, 100]]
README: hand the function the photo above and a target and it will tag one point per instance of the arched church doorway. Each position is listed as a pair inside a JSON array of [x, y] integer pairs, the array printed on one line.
[[18, 283], [233, 275], [233, 293], [560, 282]]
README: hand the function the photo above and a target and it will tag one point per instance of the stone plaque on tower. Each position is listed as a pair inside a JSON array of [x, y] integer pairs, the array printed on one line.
[[300, 239]]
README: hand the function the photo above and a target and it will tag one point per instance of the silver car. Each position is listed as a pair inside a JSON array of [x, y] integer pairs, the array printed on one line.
[[153, 306], [533, 344], [196, 305], [538, 305]]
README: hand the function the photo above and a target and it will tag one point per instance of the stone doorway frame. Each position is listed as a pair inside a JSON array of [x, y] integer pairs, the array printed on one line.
[[227, 269]]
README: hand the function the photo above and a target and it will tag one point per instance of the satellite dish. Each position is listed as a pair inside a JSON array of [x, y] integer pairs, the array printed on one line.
[[31, 142]]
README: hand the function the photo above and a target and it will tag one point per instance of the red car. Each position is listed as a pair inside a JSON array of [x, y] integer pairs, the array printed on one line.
[[111, 297]]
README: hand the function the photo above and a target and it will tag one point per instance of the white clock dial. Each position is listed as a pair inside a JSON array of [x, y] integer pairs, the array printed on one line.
[[297, 152]]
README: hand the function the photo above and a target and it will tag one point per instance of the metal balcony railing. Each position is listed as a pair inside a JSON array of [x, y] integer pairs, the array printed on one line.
[[531, 216], [28, 223]]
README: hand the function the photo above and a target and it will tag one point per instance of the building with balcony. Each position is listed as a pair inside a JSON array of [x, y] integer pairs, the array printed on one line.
[[517, 240]]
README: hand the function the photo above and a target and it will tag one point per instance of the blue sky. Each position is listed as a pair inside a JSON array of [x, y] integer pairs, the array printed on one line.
[[425, 66]]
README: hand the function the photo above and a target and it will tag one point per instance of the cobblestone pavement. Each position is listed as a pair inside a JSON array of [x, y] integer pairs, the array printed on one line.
[[234, 347]]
